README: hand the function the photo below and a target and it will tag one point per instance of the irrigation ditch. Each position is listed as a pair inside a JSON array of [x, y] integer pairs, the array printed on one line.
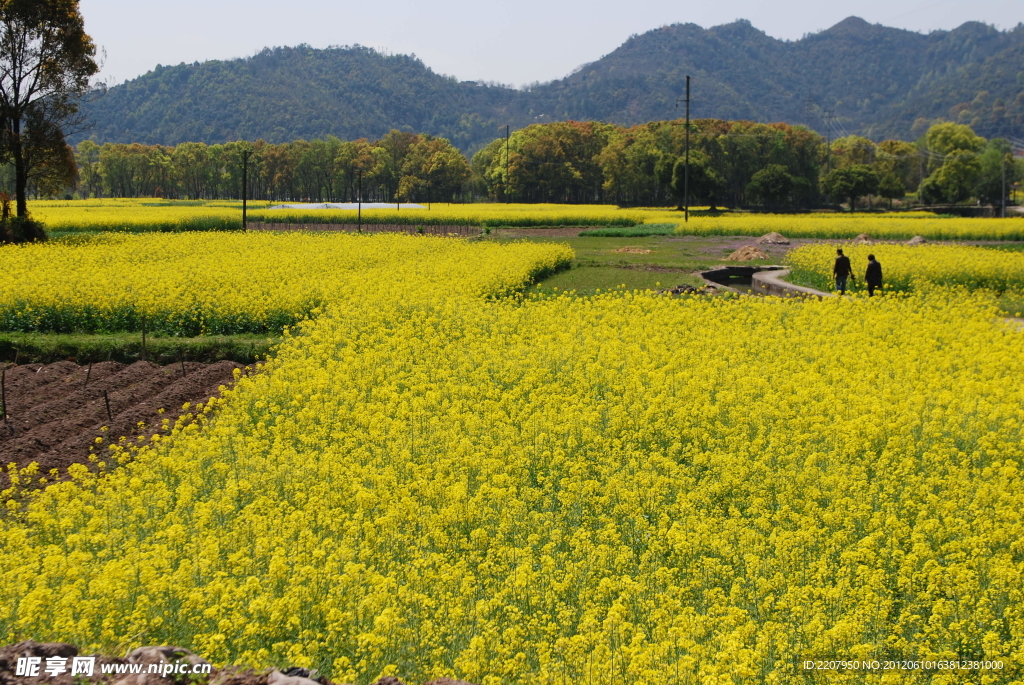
[[758, 280]]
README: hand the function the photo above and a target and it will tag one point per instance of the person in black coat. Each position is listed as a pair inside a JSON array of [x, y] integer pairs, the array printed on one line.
[[842, 271], [873, 276]]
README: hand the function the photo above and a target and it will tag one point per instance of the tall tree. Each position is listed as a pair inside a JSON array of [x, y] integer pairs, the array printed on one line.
[[88, 159], [46, 60], [958, 175], [704, 181], [900, 159], [997, 173], [851, 182], [433, 170], [852, 150], [890, 186], [771, 186]]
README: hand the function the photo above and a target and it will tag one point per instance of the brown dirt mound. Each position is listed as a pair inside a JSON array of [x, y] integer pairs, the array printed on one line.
[[917, 240], [772, 238], [863, 239], [634, 250], [54, 416], [747, 254]]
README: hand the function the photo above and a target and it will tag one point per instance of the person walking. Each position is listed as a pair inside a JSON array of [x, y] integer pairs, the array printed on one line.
[[873, 276], [842, 271]]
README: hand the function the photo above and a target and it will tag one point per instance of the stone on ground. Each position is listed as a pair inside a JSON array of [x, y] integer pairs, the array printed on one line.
[[277, 678]]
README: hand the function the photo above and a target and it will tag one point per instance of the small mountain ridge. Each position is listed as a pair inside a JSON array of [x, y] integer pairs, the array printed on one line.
[[880, 82]]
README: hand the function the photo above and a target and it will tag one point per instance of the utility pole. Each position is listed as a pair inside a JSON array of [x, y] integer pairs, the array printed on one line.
[[686, 167], [686, 172], [1004, 186], [359, 211], [245, 187], [829, 116], [507, 135]]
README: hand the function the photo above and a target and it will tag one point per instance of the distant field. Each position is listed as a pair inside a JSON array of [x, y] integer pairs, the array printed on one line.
[[153, 214], [895, 226], [137, 215], [477, 214], [147, 214]]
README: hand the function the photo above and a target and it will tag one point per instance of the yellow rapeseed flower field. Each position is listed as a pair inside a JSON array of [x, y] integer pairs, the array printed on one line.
[[202, 283], [474, 214], [628, 488], [153, 214], [880, 226], [136, 215], [907, 267]]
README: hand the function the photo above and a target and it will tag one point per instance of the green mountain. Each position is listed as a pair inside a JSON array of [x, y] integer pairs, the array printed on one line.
[[283, 94], [876, 81]]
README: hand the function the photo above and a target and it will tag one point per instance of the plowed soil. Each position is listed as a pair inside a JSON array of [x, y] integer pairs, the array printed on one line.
[[53, 415]]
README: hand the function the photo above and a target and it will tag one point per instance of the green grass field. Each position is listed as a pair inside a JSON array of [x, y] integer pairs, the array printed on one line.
[[613, 262]]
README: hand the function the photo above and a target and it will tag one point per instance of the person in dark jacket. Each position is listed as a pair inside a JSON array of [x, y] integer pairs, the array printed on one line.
[[873, 276], [842, 271]]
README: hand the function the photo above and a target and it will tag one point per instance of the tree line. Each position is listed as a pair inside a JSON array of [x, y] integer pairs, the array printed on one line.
[[731, 164], [740, 163], [400, 166]]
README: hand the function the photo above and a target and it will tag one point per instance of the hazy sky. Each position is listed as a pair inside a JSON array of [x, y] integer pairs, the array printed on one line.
[[492, 40]]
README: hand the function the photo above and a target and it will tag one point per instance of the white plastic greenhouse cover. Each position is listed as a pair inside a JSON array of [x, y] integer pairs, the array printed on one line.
[[348, 205]]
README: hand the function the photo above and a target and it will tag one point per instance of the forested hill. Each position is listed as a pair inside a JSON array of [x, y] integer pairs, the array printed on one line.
[[878, 81], [283, 94]]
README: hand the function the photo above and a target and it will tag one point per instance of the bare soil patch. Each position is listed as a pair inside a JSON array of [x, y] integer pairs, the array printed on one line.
[[54, 415]]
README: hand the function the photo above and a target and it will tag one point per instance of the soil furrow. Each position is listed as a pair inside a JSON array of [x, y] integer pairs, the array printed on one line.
[[24, 379], [55, 423], [50, 402]]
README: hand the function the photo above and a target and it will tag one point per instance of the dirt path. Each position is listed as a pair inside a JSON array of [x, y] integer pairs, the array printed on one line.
[[53, 416]]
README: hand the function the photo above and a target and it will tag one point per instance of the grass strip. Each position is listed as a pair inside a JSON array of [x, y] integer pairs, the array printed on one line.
[[46, 348], [637, 232]]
